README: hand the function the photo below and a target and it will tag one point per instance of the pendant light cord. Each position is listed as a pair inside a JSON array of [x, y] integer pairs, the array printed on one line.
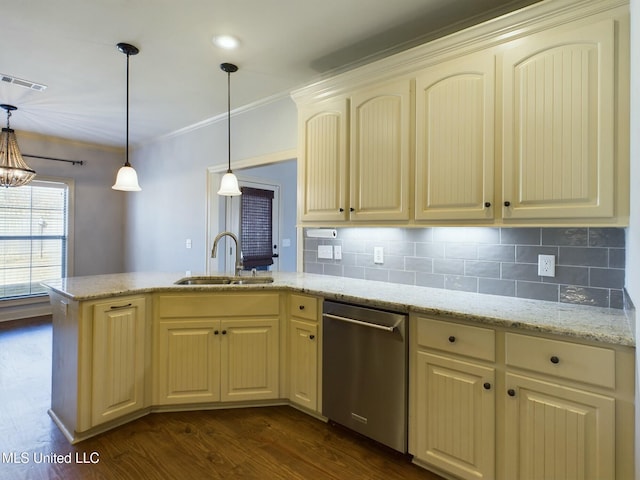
[[126, 163], [229, 118]]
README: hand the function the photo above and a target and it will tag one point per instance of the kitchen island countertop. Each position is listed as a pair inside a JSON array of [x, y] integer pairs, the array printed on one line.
[[597, 324]]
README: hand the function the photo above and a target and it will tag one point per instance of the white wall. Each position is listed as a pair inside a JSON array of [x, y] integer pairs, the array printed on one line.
[[633, 232], [99, 210], [173, 175]]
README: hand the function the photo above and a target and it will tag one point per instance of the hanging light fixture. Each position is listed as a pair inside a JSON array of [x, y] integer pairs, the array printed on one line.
[[229, 182], [127, 179], [14, 172]]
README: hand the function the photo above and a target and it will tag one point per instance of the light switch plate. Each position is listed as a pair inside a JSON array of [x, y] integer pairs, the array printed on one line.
[[325, 251], [378, 255], [337, 252], [547, 265]]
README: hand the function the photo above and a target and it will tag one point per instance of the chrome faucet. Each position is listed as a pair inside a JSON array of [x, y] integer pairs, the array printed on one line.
[[238, 256]]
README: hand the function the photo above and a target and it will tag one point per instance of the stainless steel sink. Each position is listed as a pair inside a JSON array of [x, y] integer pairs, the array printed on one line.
[[223, 280]]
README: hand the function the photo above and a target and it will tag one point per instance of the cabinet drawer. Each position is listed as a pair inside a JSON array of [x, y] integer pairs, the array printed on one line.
[[303, 306], [583, 363], [222, 305], [455, 338]]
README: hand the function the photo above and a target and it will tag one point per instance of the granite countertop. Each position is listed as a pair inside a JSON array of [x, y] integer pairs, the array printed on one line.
[[590, 323]]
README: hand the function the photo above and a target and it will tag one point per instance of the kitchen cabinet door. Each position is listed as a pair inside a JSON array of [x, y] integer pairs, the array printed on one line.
[[380, 153], [303, 363], [559, 101], [557, 432], [249, 359], [455, 139], [118, 358], [322, 177], [455, 416], [189, 361]]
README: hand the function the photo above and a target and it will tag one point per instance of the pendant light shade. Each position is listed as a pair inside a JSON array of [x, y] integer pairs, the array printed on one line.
[[127, 179], [14, 172], [229, 183]]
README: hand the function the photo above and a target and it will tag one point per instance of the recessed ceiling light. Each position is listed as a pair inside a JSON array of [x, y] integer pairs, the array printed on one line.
[[228, 42]]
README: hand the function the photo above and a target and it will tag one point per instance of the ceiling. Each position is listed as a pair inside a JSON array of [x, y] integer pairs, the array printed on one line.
[[175, 80]]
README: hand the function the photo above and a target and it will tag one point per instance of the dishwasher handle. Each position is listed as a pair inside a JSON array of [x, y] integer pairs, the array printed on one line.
[[358, 322]]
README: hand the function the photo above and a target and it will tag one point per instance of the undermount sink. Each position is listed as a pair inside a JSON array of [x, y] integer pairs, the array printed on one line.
[[223, 280]]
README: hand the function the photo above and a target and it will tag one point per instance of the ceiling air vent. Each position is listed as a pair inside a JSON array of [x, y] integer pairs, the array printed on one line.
[[23, 83]]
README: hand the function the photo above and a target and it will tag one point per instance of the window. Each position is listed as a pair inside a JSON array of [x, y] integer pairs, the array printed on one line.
[[34, 226], [256, 209]]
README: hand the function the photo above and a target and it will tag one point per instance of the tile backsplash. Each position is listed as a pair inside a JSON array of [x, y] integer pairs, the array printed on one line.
[[589, 266]]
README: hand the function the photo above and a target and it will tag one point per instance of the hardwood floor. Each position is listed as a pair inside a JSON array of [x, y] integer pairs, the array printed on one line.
[[246, 443]]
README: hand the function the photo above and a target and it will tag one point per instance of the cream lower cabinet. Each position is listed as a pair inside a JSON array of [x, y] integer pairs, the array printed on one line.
[[494, 404], [453, 424], [222, 347], [118, 367], [304, 350]]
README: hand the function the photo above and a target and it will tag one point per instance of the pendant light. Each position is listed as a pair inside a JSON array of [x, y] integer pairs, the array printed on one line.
[[127, 179], [229, 183], [14, 172]]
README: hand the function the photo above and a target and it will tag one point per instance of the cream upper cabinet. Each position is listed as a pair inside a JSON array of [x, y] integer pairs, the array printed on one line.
[[322, 176], [455, 139], [118, 367], [379, 160], [559, 101]]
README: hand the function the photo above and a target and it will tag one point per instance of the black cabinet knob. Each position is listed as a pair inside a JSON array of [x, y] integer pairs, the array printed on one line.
[[511, 392], [311, 337], [507, 204], [224, 332], [487, 386], [216, 332], [301, 307], [555, 360], [341, 209], [452, 339], [352, 209], [487, 204]]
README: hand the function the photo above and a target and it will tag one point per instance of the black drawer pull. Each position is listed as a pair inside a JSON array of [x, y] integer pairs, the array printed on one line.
[[487, 386], [116, 307], [452, 339], [555, 360], [511, 392], [301, 307]]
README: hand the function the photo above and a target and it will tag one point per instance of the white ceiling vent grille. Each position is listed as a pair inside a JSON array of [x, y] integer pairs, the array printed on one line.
[[23, 83]]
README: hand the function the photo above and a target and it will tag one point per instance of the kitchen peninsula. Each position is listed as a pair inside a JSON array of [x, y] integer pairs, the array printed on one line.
[[125, 345]]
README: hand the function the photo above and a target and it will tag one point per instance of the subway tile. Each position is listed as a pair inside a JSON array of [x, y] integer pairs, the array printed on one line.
[[498, 253], [379, 274], [583, 256], [418, 264], [429, 280], [448, 266], [419, 235], [576, 237], [606, 277], [537, 291], [333, 269], [493, 286], [617, 257], [353, 272], [403, 277], [595, 297], [520, 236], [310, 256], [526, 254], [400, 248], [353, 245], [348, 259], [461, 251], [392, 262], [474, 268], [431, 250], [459, 282], [476, 235], [616, 299], [606, 237], [569, 276], [311, 267], [519, 271]]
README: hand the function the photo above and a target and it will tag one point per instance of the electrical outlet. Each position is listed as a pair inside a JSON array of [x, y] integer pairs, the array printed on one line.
[[547, 265], [187, 243], [378, 255]]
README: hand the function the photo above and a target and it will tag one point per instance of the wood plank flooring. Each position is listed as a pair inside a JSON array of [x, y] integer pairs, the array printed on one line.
[[246, 443]]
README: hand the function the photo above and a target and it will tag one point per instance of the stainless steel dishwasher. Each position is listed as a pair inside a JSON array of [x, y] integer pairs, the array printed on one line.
[[364, 371]]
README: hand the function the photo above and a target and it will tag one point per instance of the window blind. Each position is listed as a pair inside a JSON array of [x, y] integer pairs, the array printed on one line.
[[256, 208], [33, 237]]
